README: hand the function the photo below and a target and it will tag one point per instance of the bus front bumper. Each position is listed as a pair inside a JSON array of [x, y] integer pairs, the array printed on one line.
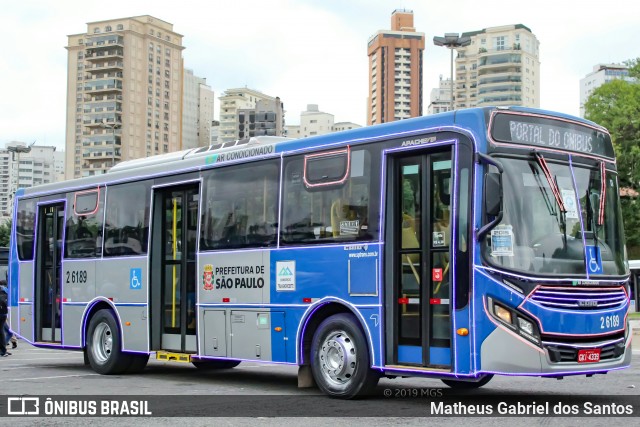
[[503, 352]]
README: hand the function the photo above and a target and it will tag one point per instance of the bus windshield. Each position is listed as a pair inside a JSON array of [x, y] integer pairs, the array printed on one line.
[[555, 214]]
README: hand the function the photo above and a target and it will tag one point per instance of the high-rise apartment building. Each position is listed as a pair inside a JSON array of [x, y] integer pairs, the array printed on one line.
[[395, 71], [197, 111], [501, 66], [124, 93], [24, 169], [246, 112], [601, 74], [215, 132], [269, 119]]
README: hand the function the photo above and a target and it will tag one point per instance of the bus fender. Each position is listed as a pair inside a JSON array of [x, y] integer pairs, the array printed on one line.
[[93, 307], [315, 314]]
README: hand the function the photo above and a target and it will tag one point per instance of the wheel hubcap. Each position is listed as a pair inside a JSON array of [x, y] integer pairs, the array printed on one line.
[[338, 358], [102, 343]]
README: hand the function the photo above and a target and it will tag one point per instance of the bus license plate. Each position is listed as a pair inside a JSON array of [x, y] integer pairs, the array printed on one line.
[[589, 356]]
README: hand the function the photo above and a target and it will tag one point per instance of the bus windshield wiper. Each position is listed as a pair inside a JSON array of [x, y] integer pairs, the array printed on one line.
[[543, 190], [552, 183]]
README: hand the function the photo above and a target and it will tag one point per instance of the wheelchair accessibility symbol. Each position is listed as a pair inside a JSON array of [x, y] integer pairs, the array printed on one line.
[[594, 260], [135, 278]]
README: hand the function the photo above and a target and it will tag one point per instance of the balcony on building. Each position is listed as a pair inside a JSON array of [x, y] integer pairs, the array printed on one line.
[[114, 65], [100, 107], [104, 155], [104, 41], [103, 86], [99, 120], [499, 61], [109, 53], [500, 91], [495, 79], [500, 100]]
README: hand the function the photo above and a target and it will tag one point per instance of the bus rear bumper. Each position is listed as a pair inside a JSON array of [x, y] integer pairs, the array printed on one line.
[[505, 353]]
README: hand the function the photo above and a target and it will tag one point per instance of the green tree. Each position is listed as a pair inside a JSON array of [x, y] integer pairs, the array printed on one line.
[[5, 234], [616, 106]]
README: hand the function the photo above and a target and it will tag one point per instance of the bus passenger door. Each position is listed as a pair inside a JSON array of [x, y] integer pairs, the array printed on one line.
[[176, 219], [48, 268], [420, 229]]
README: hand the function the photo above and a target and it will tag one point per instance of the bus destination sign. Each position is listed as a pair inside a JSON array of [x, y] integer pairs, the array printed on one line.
[[550, 133]]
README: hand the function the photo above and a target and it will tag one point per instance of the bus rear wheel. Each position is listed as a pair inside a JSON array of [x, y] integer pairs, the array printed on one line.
[[206, 365], [467, 385], [340, 358], [104, 346]]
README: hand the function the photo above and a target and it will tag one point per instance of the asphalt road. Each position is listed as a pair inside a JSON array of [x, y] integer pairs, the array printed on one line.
[[267, 392]]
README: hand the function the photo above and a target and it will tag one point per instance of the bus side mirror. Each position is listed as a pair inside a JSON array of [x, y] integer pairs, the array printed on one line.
[[492, 194]]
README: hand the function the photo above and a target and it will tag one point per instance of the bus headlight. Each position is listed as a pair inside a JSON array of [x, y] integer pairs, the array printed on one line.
[[502, 313], [525, 325], [517, 322]]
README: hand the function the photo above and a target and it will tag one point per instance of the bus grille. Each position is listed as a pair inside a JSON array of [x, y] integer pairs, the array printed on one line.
[[566, 353], [579, 298]]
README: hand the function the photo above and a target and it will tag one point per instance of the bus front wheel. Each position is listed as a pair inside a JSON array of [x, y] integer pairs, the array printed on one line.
[[466, 385], [103, 345], [340, 358]]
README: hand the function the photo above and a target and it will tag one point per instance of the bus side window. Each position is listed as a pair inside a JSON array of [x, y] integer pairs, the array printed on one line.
[[25, 228], [335, 210], [127, 219], [442, 191], [83, 235], [240, 206]]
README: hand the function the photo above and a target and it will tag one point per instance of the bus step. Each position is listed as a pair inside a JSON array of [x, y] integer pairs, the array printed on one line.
[[173, 357]]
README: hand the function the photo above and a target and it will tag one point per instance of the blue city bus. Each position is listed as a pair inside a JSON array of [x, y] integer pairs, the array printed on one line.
[[457, 246]]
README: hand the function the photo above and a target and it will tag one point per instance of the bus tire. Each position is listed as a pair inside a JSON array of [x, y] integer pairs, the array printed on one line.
[[467, 385], [103, 345], [340, 360], [138, 363], [207, 365]]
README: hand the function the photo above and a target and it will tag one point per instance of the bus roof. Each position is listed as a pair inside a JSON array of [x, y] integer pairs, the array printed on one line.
[[262, 147]]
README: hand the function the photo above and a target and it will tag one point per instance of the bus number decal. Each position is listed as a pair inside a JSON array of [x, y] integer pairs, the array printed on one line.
[[607, 322], [77, 276]]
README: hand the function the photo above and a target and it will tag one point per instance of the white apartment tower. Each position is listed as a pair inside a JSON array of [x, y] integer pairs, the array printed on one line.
[[40, 165], [314, 122], [238, 108], [197, 111], [440, 99], [501, 66], [124, 93], [601, 74]]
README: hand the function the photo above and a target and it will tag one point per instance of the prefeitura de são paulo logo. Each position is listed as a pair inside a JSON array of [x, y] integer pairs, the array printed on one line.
[[207, 277]]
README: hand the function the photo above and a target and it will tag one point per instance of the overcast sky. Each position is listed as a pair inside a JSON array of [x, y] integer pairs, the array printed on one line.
[[304, 51]]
